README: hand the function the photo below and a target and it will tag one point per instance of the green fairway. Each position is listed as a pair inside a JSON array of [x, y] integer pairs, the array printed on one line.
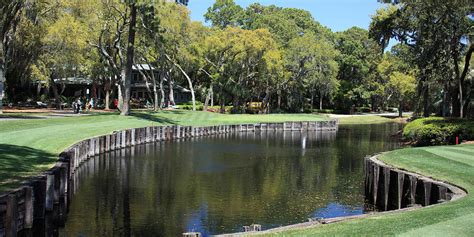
[[30, 146], [454, 164]]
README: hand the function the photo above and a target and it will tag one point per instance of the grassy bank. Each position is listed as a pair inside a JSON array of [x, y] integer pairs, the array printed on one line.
[[454, 164], [29, 146], [367, 119]]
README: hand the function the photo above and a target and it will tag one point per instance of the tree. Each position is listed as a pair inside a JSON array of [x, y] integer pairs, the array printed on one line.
[[439, 35], [112, 43], [381, 26], [401, 85], [313, 68], [284, 23], [64, 51], [239, 63], [10, 11], [357, 60], [127, 71], [224, 13], [398, 76], [169, 27]]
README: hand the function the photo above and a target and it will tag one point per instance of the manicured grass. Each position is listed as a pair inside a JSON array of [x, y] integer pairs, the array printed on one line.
[[454, 164], [367, 119], [28, 147]]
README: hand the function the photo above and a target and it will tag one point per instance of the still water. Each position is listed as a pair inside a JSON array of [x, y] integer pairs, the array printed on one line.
[[218, 184]]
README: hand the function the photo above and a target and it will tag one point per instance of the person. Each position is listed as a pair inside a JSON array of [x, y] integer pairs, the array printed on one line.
[[116, 103], [88, 106], [78, 105], [91, 104]]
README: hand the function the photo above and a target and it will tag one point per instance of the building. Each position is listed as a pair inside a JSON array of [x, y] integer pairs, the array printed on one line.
[[140, 89], [141, 93]]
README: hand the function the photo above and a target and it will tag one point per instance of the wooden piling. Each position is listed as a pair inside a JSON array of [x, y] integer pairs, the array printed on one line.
[[96, 146], [133, 133], [375, 188], [49, 202], [427, 193], [11, 217], [39, 202], [107, 143], [400, 189], [29, 210]]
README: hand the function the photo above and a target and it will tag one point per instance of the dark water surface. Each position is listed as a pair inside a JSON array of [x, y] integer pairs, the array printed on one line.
[[218, 184]]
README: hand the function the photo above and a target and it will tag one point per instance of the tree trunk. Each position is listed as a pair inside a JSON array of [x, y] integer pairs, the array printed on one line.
[[467, 60], [190, 82], [321, 102], [2, 88], [107, 100], [57, 99], [127, 80], [170, 90], [107, 87], [400, 108], [426, 101], [120, 97], [162, 92], [236, 105], [208, 98], [156, 105], [444, 109], [146, 76], [279, 100], [461, 113], [212, 95], [374, 103], [222, 103]]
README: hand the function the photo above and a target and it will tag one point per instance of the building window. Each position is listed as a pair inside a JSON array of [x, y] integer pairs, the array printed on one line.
[[136, 78]]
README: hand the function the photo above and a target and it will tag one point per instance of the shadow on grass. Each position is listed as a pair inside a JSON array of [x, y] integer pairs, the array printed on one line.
[[154, 117], [8, 116], [17, 163]]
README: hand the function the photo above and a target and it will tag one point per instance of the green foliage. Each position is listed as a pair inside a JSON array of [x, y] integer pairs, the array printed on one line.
[[382, 24], [439, 34], [358, 60], [363, 109], [224, 13], [312, 65], [242, 64], [438, 131], [323, 111]]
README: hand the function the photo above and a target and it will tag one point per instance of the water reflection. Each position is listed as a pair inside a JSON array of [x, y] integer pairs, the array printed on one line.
[[336, 210], [218, 184]]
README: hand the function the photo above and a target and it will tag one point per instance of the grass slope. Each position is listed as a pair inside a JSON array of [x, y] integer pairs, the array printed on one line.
[[454, 164], [28, 147], [367, 119]]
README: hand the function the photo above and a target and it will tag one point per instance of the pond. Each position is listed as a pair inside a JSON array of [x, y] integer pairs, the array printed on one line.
[[218, 184]]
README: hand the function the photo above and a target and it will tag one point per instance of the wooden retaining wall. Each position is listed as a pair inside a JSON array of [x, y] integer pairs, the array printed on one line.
[[21, 208], [388, 188]]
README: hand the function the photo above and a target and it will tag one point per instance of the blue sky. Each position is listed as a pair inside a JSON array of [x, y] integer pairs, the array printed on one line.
[[338, 15]]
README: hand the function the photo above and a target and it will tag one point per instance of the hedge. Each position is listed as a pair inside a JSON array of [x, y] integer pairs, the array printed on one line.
[[438, 131]]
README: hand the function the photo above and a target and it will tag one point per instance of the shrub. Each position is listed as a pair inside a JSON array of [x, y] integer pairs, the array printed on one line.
[[323, 111], [191, 103], [438, 131], [363, 109]]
